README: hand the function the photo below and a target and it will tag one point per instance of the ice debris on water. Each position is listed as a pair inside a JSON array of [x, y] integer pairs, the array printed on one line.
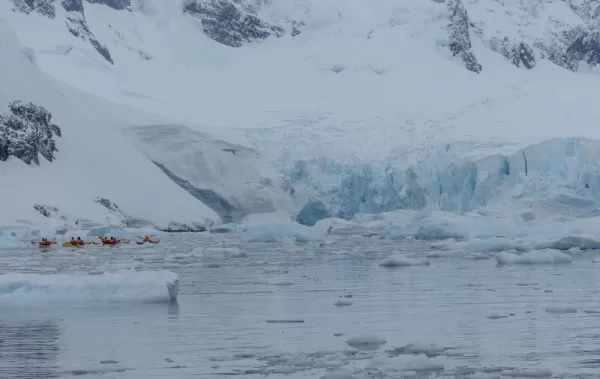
[[400, 260], [428, 349], [535, 257], [561, 309], [342, 303], [366, 341], [338, 375], [528, 373]]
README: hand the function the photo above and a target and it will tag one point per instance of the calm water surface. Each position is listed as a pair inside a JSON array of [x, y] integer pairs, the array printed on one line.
[[287, 311]]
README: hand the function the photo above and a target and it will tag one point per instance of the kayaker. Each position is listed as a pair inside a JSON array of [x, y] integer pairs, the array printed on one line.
[[45, 242], [79, 241], [72, 241], [148, 239]]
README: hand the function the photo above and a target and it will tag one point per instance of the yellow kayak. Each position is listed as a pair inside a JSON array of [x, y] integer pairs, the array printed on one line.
[[69, 244]]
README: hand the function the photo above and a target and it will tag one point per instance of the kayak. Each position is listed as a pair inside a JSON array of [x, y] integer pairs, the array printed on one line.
[[143, 242], [37, 242], [121, 242], [45, 246], [69, 244]]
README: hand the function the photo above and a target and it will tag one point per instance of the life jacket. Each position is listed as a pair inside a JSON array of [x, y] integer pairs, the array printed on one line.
[[78, 242], [45, 243]]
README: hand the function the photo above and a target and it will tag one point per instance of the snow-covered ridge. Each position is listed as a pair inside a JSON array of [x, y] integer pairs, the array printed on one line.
[[563, 32], [97, 176]]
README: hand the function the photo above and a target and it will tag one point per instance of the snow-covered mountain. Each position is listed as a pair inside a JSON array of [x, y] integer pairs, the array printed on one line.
[[309, 108]]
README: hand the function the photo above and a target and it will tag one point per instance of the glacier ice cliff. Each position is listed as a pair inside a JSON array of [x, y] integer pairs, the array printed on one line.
[[231, 179], [554, 177]]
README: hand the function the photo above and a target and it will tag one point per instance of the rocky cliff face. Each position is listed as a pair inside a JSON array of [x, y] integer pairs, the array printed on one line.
[[231, 22], [565, 32]]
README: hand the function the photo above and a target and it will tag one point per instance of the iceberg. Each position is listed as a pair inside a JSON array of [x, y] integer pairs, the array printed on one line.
[[120, 287], [279, 232]]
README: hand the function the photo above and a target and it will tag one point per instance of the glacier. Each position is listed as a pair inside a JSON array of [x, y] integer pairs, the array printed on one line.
[[556, 177], [211, 133]]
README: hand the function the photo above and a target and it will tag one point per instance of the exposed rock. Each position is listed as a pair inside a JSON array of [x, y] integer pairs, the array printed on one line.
[[518, 53], [78, 26], [175, 227], [43, 7], [114, 4], [230, 22], [46, 210], [27, 132], [585, 46], [571, 47], [458, 35]]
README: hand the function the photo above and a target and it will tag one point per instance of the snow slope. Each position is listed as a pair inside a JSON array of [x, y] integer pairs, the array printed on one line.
[[371, 108], [94, 158]]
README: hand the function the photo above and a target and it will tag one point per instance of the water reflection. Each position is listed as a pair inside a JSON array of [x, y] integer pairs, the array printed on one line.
[[29, 350], [173, 310]]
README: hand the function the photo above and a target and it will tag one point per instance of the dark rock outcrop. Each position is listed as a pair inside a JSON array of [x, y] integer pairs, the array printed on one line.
[[518, 53], [114, 4], [585, 46], [571, 47], [458, 35], [26, 132], [46, 210], [78, 26], [176, 227], [232, 23], [43, 7]]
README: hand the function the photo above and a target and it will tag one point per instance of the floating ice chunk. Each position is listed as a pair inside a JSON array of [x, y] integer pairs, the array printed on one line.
[[226, 228], [9, 242], [478, 256], [400, 260], [280, 231], [367, 341], [529, 373], [429, 349], [144, 287], [284, 321], [338, 375], [120, 266], [559, 309], [180, 257], [567, 243], [533, 257], [490, 245], [439, 225], [445, 254], [112, 230], [338, 226], [342, 303], [422, 363]]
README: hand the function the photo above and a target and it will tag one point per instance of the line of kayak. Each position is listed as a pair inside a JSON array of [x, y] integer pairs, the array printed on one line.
[[46, 244]]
